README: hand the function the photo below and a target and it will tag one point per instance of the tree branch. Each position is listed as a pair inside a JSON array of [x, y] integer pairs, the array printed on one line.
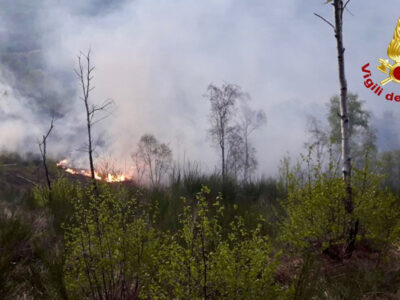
[[106, 104], [349, 11], [26, 179], [43, 142], [51, 128], [325, 20], [347, 2]]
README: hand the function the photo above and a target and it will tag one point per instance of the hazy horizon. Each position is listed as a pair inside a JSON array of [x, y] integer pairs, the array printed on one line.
[[155, 59]]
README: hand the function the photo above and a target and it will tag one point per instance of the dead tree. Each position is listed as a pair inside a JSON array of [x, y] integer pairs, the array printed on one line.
[[85, 75], [338, 8], [43, 152], [140, 167]]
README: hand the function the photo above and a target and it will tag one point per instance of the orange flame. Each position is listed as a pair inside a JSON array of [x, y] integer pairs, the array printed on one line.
[[63, 164]]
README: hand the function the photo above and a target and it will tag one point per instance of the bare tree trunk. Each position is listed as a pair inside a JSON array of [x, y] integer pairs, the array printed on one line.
[[43, 151], [85, 75], [223, 167], [223, 161], [246, 157], [90, 145], [85, 82]]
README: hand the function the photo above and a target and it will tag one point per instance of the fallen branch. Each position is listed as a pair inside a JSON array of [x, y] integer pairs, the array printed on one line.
[[27, 180]]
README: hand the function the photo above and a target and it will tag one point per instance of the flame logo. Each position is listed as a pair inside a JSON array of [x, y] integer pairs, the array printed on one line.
[[394, 46], [393, 52]]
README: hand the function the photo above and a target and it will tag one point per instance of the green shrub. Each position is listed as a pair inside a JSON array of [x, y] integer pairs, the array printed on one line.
[[315, 213], [316, 217], [58, 201], [30, 263], [109, 247], [377, 209], [202, 262]]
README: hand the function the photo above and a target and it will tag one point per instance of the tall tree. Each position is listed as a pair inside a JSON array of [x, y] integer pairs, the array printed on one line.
[[338, 8], [390, 166], [223, 100], [358, 117], [241, 157], [319, 138], [156, 157], [249, 120], [362, 136]]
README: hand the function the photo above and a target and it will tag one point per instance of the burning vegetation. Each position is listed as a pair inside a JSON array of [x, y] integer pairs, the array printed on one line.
[[107, 177]]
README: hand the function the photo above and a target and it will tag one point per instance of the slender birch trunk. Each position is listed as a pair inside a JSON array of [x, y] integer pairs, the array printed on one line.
[[352, 229], [344, 122]]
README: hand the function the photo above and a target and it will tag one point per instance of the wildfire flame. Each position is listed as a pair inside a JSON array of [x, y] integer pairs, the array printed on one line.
[[63, 164]]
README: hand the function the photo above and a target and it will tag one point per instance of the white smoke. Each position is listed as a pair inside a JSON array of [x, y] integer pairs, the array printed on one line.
[[156, 58]]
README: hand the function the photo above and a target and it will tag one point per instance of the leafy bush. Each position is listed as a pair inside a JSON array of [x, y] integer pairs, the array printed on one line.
[[377, 209], [109, 247], [29, 257], [202, 262], [113, 251], [316, 217], [58, 200]]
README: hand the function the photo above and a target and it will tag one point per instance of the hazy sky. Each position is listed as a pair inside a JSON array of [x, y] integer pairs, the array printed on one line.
[[155, 58]]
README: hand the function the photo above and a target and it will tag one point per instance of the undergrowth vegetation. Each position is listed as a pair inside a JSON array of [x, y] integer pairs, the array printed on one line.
[[202, 238]]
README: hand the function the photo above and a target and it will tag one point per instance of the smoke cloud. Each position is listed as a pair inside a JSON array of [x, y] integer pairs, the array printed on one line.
[[156, 59]]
